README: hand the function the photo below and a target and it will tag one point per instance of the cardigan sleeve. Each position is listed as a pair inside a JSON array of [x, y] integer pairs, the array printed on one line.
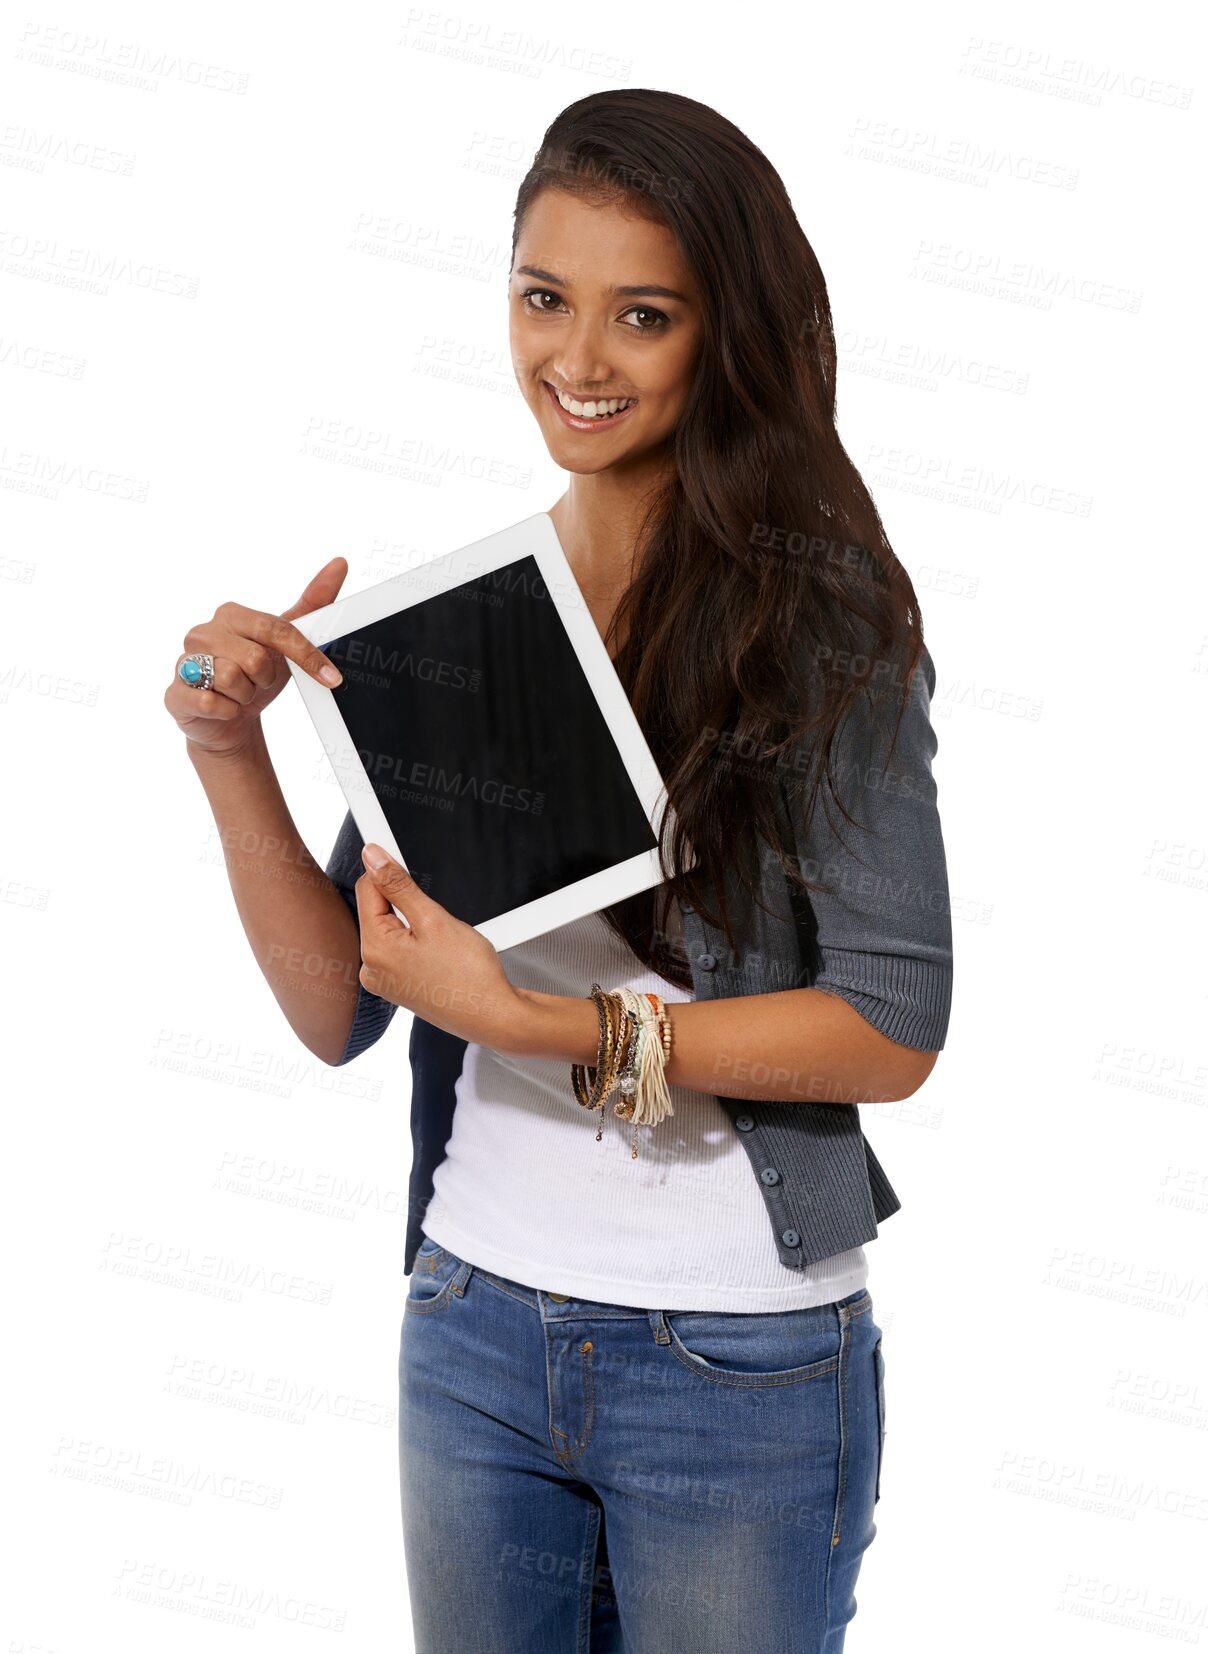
[[373, 1015], [884, 923]]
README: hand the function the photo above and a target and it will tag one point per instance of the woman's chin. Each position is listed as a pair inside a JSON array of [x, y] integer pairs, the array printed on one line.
[[569, 456]]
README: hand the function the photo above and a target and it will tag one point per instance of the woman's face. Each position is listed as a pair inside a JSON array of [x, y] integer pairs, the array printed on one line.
[[601, 307]]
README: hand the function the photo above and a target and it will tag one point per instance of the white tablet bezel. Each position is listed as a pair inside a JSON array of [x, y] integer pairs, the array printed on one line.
[[535, 537]]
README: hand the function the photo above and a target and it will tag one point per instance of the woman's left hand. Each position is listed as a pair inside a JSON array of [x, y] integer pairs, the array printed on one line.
[[440, 968]]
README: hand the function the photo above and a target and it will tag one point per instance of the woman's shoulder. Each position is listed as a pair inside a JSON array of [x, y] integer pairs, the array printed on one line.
[[877, 672]]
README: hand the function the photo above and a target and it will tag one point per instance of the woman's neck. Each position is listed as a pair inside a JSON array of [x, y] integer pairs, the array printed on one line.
[[597, 520]]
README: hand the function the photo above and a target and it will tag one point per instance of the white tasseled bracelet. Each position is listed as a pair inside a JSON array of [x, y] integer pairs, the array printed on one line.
[[646, 1097]]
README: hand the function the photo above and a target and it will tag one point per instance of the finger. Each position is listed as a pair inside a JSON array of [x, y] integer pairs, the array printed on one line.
[[185, 701], [323, 589], [374, 910], [372, 903], [229, 679], [260, 665], [254, 638], [396, 883]]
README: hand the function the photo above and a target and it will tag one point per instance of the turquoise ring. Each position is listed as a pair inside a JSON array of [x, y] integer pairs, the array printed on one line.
[[197, 670]]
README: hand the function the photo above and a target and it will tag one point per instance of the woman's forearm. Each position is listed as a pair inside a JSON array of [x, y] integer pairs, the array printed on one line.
[[305, 940], [801, 1045]]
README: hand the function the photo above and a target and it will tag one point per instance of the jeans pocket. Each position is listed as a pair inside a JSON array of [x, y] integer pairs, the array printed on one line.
[[879, 1363], [774, 1347], [434, 1275]]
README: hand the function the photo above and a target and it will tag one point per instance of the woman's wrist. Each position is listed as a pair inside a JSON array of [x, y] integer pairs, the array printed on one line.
[[253, 751], [559, 1026]]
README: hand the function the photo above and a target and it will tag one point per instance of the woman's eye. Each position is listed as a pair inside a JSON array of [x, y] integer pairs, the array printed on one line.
[[644, 310], [540, 293]]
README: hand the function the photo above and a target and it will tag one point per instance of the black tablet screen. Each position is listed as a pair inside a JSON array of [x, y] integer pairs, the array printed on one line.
[[486, 748]]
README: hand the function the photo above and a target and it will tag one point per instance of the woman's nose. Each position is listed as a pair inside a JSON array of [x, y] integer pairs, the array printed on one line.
[[580, 361]]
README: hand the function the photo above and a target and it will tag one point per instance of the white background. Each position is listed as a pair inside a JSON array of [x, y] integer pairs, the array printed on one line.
[[1020, 384]]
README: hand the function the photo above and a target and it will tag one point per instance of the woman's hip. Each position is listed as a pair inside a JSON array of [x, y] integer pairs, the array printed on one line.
[[621, 1395]]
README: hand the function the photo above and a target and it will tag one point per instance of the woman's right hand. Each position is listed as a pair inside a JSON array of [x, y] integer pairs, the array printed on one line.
[[250, 648]]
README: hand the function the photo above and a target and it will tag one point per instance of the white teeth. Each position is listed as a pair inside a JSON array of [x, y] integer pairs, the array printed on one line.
[[593, 410]]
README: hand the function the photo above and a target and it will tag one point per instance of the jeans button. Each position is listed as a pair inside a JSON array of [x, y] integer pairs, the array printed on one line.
[[558, 1297]]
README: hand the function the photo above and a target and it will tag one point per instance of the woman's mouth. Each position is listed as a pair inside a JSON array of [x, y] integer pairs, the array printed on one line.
[[592, 416]]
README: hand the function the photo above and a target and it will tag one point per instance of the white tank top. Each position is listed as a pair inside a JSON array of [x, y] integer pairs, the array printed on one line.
[[525, 1190]]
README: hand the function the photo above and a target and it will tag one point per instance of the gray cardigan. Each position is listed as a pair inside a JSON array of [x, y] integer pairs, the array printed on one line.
[[880, 937]]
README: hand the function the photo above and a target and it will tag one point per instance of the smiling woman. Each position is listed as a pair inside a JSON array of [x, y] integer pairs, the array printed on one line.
[[573, 1317], [668, 1359]]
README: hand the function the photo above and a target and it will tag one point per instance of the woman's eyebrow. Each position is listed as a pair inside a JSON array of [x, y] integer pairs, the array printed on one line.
[[648, 290]]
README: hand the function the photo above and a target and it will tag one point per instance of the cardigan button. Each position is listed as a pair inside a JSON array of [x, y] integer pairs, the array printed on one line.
[[744, 1122], [790, 1237], [707, 961], [770, 1175]]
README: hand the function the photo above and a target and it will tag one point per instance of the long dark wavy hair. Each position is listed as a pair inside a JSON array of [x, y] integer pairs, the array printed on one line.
[[767, 595]]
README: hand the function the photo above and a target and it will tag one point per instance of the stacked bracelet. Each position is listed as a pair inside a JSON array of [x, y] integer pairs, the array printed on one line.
[[593, 1085], [635, 1043]]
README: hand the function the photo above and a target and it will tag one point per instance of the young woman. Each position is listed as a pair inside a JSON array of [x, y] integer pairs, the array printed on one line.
[[641, 1383]]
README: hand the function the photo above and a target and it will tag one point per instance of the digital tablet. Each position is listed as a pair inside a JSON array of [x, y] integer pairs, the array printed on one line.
[[482, 736]]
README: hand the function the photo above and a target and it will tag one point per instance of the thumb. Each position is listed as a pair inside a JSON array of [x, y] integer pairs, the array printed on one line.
[[389, 875], [387, 886], [323, 589]]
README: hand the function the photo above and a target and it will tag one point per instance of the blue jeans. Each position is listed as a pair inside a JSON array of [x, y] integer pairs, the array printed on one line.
[[588, 1478]]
